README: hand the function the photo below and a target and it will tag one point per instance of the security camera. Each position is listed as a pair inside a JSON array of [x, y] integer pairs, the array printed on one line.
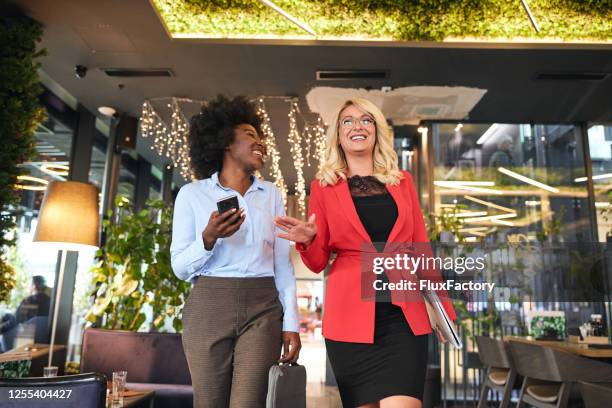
[[80, 71]]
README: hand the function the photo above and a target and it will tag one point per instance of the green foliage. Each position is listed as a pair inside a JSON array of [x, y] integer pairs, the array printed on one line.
[[15, 369], [554, 228], [7, 281], [19, 278], [446, 221], [20, 114], [134, 274], [72, 367], [477, 324], [391, 19], [547, 326]]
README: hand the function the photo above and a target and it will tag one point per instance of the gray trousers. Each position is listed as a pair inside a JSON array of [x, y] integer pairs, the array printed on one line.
[[231, 336]]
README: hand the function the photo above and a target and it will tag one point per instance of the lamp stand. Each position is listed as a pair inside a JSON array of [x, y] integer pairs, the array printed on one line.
[[58, 295]]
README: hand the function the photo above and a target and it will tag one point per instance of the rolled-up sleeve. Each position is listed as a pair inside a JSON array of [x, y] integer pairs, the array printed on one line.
[[187, 251], [284, 275]]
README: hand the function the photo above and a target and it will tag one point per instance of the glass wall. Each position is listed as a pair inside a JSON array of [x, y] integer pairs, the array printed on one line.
[[498, 183], [600, 146], [96, 169], [508, 182], [127, 179], [156, 181], [25, 319]]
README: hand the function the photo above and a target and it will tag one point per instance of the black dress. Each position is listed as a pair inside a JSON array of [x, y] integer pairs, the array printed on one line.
[[395, 363]]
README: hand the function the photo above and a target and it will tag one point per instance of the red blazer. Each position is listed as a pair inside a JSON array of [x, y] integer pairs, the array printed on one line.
[[346, 316]]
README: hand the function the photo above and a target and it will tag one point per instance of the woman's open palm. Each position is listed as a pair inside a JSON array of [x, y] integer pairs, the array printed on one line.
[[298, 231]]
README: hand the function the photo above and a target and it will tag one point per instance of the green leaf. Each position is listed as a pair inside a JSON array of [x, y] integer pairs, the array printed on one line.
[[137, 250], [127, 287]]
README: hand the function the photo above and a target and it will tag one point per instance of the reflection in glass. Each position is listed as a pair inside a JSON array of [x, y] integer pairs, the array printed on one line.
[[509, 182], [25, 318], [600, 146]]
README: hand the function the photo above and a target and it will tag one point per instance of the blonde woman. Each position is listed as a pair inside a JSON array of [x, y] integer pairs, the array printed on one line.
[[378, 350]]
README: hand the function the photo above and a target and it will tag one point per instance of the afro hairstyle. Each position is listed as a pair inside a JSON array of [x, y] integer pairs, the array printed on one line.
[[212, 130]]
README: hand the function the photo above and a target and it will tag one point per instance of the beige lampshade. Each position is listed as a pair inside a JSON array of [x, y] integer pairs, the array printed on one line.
[[69, 215]]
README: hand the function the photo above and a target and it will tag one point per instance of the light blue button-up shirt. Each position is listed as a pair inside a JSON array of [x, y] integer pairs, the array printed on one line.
[[252, 251]]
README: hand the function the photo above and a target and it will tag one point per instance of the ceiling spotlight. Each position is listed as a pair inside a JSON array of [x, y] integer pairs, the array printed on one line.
[[107, 111]]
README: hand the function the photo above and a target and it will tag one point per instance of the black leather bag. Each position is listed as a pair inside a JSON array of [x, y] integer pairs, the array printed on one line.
[[286, 386]]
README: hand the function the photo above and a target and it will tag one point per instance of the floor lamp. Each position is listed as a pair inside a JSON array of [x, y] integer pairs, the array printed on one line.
[[69, 220]]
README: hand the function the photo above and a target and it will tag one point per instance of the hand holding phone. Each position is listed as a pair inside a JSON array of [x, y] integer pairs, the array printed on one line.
[[227, 203], [224, 222]]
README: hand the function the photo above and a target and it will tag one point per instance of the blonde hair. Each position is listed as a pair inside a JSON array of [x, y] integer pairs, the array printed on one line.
[[334, 165]]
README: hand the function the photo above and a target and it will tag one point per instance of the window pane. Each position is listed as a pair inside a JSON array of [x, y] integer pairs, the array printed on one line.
[[508, 181], [25, 317], [600, 146]]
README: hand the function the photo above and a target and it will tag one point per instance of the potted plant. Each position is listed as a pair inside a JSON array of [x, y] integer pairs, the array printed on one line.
[[552, 232], [445, 226], [134, 276]]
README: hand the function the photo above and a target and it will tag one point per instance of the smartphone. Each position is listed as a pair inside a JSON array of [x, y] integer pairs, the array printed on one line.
[[227, 203]]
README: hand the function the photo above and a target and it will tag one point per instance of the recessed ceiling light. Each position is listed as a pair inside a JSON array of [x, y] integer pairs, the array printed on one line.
[[107, 111]]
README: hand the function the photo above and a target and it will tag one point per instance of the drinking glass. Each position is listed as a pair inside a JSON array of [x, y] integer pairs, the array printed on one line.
[[50, 371], [119, 379]]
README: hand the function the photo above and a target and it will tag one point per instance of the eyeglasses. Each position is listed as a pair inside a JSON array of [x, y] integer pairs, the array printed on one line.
[[350, 122]]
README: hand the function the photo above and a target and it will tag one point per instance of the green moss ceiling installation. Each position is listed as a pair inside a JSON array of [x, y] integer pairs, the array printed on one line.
[[386, 20]]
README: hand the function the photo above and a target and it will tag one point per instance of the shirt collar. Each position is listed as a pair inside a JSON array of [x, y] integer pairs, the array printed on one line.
[[257, 183]]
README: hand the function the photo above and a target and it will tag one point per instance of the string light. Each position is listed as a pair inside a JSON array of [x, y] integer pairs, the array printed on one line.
[[295, 144], [307, 137], [172, 141], [313, 132], [319, 141], [272, 150]]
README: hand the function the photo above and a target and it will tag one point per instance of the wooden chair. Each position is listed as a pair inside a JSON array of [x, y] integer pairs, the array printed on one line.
[[500, 374], [550, 374]]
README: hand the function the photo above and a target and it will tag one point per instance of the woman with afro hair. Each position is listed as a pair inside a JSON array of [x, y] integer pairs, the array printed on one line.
[[242, 307]]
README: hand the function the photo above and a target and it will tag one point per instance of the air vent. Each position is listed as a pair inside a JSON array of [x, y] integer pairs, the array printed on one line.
[[572, 76], [334, 75], [138, 72]]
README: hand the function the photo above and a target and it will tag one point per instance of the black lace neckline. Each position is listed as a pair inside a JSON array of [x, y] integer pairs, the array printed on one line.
[[366, 186]]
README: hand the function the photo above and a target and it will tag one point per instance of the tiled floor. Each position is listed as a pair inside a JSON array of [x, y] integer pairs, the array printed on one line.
[[312, 356], [321, 396]]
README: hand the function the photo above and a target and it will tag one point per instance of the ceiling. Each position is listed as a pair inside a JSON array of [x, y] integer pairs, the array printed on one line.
[[115, 33]]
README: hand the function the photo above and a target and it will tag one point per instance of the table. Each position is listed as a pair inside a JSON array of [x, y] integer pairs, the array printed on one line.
[[144, 400], [39, 354], [580, 349]]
